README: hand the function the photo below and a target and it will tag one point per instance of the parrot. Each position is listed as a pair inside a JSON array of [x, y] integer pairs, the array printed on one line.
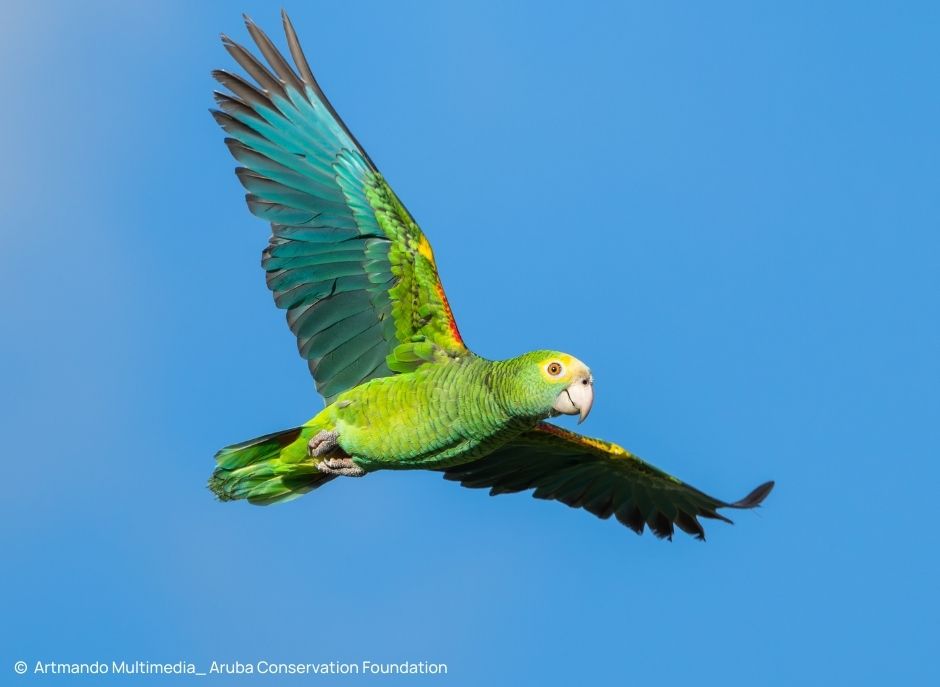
[[360, 286]]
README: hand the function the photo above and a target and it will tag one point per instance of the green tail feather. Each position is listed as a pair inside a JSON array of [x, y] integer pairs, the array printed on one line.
[[266, 470]]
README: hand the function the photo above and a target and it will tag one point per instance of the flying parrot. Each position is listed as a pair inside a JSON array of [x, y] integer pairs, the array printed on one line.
[[358, 280]]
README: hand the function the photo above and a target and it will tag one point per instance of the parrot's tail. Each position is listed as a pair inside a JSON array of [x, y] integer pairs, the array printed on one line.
[[268, 469]]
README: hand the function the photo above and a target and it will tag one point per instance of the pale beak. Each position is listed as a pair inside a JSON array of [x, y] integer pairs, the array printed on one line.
[[576, 399]]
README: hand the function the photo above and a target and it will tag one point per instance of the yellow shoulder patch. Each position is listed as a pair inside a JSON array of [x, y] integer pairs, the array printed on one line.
[[424, 248]]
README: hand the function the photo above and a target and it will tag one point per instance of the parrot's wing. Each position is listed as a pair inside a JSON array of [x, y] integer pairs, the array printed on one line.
[[598, 476], [346, 260]]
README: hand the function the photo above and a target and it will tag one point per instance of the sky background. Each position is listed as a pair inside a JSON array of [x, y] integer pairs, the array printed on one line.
[[730, 212]]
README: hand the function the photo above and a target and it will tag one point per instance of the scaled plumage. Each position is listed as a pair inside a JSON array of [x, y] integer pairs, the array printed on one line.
[[360, 285]]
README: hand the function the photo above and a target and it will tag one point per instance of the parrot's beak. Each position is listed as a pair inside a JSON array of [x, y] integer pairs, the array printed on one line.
[[576, 399]]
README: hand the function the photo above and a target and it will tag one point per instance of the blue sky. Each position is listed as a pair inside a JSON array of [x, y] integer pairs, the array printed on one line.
[[749, 199]]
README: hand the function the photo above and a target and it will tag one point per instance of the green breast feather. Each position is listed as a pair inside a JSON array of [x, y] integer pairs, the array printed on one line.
[[358, 280]]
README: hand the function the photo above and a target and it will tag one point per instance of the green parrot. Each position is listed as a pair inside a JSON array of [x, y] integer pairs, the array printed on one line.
[[358, 280]]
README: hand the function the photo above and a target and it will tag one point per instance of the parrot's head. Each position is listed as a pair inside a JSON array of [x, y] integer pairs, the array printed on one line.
[[554, 383]]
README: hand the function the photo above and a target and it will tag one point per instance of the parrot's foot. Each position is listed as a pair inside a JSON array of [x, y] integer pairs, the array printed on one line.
[[322, 443], [340, 466], [325, 443]]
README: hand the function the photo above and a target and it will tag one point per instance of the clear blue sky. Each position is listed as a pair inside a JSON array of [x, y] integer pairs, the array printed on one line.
[[730, 212]]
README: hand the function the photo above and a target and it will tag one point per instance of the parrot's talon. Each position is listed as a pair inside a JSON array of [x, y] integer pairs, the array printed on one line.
[[325, 443], [340, 466], [322, 443]]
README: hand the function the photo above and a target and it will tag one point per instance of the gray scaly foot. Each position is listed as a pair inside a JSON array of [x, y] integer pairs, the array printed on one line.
[[322, 443], [340, 466]]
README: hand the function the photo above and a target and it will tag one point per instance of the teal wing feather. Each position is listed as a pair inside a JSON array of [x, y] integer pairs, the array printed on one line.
[[600, 477], [345, 259]]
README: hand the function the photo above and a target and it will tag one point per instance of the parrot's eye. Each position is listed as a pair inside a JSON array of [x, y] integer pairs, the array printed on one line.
[[554, 369]]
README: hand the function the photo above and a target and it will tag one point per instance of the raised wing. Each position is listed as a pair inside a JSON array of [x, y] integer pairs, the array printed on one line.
[[346, 260], [600, 477]]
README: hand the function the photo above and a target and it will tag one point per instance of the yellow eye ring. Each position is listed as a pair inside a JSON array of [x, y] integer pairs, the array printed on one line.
[[554, 369]]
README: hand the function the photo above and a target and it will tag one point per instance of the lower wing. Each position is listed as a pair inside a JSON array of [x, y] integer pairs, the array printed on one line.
[[600, 477]]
